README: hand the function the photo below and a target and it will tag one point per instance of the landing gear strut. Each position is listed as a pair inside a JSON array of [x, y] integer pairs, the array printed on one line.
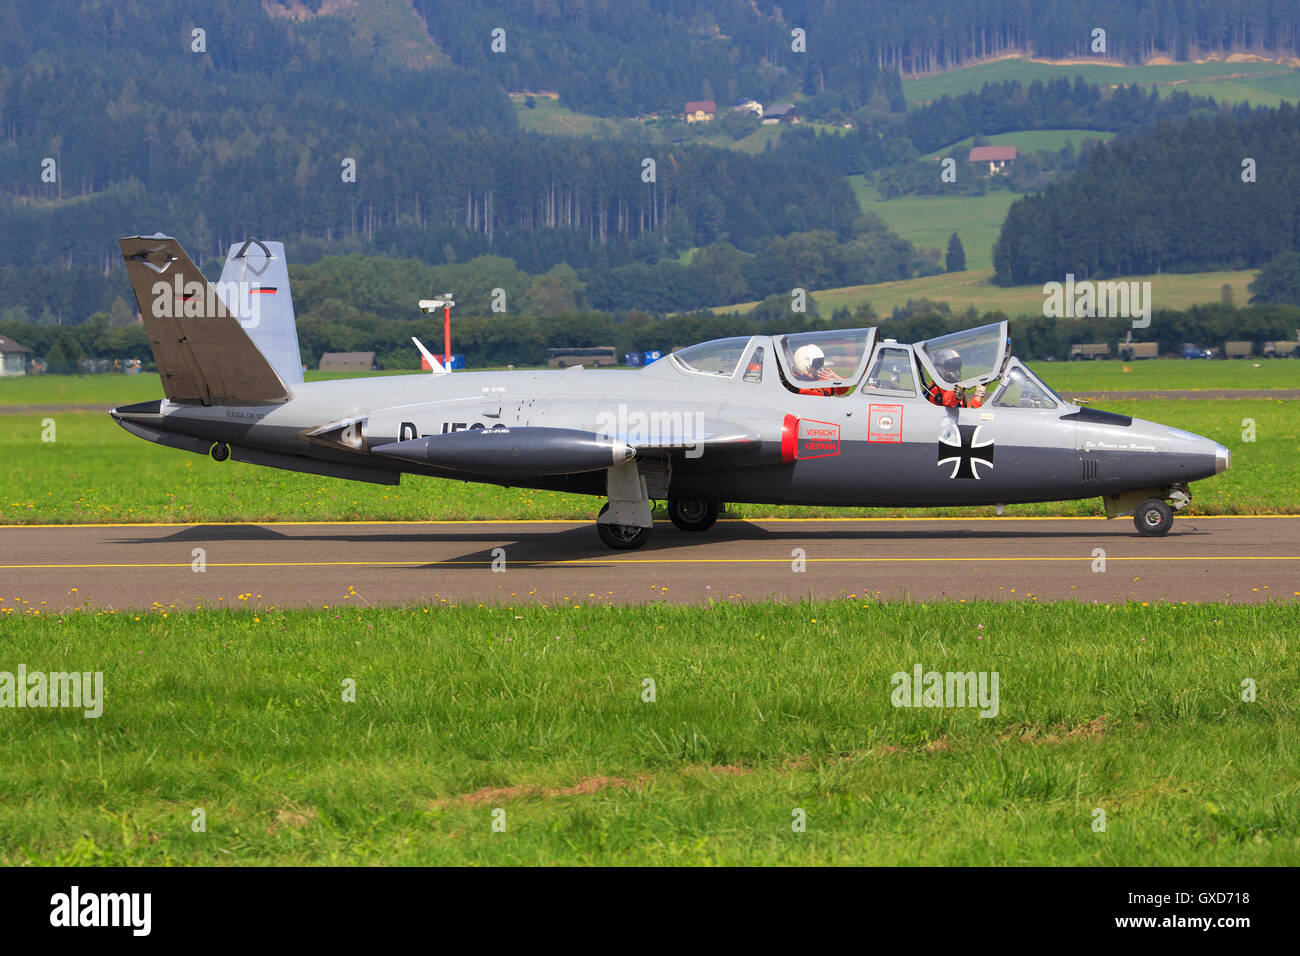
[[693, 515], [622, 537]]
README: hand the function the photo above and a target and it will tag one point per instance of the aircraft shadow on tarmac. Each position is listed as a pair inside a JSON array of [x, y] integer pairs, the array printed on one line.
[[542, 548]]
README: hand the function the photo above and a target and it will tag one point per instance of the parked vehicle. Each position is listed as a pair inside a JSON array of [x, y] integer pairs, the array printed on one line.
[[1129, 351], [1093, 350], [1191, 351]]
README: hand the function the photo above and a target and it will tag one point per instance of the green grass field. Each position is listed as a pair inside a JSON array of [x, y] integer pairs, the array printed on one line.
[[1180, 374], [95, 472], [1262, 84], [111, 389], [974, 287], [928, 221], [757, 141], [106, 390], [552, 119], [1030, 140], [537, 717]]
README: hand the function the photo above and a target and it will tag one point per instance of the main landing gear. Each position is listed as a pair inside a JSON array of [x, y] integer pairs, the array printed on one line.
[[625, 522], [693, 515]]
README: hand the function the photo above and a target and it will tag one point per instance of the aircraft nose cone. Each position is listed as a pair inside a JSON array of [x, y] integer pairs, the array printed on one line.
[[1222, 459]]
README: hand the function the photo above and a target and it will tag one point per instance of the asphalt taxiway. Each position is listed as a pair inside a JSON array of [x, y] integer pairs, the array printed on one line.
[[1238, 559]]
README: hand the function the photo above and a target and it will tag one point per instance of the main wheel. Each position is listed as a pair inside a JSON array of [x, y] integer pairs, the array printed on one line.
[[1153, 518], [693, 515], [220, 451], [621, 537]]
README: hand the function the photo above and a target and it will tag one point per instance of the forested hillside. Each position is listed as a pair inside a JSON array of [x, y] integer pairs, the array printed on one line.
[[1199, 194], [257, 133], [634, 56], [384, 128]]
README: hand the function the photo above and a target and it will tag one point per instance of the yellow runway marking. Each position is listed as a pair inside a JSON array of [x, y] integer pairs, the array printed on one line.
[[602, 561], [581, 521]]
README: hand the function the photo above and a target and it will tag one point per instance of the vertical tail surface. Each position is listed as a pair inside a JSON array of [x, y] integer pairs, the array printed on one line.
[[203, 354], [255, 287]]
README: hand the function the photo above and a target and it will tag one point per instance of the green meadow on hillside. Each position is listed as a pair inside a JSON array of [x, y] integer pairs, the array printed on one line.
[[550, 118], [1029, 140], [928, 221], [974, 288], [1262, 84]]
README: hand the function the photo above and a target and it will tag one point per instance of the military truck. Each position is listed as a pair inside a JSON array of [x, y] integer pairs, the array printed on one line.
[[1094, 350], [1238, 349], [1139, 350], [1281, 348]]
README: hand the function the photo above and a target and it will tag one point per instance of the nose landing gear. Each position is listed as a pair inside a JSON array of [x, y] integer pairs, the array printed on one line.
[[1152, 509], [1153, 518], [621, 537]]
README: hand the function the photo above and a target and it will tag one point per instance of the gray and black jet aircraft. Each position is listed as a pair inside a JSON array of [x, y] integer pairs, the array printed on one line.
[[841, 417]]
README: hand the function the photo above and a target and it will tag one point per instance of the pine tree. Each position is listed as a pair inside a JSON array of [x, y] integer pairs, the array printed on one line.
[[956, 255]]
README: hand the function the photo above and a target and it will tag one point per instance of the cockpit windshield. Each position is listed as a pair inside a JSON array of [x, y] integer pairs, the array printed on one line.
[[718, 357], [1021, 388], [833, 357]]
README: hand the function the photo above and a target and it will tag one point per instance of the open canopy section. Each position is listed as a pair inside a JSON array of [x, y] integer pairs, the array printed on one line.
[[967, 358], [830, 358]]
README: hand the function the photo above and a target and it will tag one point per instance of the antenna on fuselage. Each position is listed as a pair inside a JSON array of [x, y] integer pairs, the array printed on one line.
[[434, 365]]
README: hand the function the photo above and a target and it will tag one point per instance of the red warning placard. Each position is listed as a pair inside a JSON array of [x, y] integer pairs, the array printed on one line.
[[885, 423], [818, 439]]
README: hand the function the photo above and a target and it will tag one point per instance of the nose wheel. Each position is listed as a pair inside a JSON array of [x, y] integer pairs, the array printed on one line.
[[1153, 518], [621, 537]]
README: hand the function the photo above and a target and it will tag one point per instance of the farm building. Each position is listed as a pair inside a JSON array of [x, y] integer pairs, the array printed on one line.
[[700, 111], [13, 357], [780, 113], [997, 157], [348, 362]]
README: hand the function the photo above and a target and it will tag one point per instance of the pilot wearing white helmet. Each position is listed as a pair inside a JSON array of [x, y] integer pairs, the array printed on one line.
[[810, 366]]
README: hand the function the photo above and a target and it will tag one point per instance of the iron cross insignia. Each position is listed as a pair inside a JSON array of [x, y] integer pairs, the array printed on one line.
[[968, 454]]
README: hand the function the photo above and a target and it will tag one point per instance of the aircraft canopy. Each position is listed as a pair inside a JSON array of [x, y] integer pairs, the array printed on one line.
[[967, 358], [718, 356]]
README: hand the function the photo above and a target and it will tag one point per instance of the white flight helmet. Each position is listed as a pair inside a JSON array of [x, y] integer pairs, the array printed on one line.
[[806, 361]]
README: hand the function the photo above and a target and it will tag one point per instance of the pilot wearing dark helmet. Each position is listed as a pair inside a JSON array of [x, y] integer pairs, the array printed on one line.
[[947, 362]]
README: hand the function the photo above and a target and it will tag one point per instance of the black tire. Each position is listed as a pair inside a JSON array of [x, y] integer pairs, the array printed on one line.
[[220, 451], [621, 537], [693, 515], [1153, 518]]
